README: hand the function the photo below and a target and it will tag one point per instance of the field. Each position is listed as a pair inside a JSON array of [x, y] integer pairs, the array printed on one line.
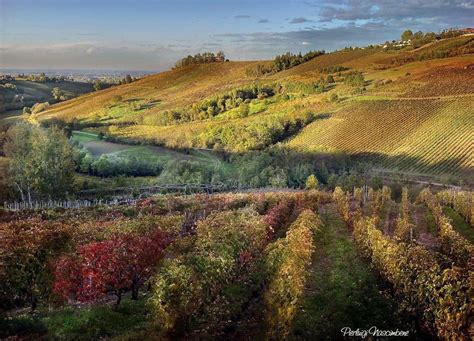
[[412, 115], [294, 264]]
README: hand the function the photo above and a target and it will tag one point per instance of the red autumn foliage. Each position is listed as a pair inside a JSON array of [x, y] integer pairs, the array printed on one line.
[[279, 214], [115, 265]]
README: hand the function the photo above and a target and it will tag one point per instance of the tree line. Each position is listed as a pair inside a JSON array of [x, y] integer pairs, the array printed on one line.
[[201, 58], [283, 62]]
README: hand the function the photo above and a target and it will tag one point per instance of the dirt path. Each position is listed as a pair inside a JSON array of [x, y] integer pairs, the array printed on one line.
[[341, 289]]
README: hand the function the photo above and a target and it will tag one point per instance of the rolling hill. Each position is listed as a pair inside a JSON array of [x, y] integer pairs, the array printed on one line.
[[412, 114], [25, 93]]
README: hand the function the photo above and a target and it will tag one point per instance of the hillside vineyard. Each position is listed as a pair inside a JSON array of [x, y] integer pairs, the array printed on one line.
[[314, 196], [410, 113]]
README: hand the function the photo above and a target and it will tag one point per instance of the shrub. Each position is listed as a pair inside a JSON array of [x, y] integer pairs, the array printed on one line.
[[123, 262], [355, 79], [312, 182], [39, 107]]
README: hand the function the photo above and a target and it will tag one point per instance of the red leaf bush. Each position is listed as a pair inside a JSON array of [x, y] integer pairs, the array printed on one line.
[[121, 263]]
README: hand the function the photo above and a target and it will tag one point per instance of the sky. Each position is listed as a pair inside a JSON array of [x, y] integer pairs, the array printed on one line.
[[153, 34]]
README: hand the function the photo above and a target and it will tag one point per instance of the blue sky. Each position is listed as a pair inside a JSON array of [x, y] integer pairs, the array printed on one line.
[[153, 34]]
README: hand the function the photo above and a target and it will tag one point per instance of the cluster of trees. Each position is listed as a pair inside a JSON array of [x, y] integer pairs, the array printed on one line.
[[257, 134], [60, 95], [126, 80], [289, 60], [110, 166], [216, 105], [37, 108], [278, 167], [201, 58], [190, 172], [419, 38], [41, 78], [321, 85], [219, 104], [282, 62], [98, 85], [258, 71], [10, 86], [41, 161]]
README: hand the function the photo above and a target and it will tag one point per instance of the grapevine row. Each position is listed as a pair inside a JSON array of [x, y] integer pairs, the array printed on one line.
[[412, 270]]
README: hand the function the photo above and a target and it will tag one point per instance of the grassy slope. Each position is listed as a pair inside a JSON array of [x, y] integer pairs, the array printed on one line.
[[164, 91], [421, 122]]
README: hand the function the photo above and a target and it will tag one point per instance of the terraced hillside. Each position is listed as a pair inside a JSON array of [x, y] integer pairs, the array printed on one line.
[[412, 113], [420, 135]]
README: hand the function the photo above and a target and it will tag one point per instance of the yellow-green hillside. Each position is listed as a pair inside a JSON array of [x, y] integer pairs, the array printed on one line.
[[413, 113]]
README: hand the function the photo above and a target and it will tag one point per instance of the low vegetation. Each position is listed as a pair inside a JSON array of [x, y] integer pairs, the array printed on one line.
[[226, 265]]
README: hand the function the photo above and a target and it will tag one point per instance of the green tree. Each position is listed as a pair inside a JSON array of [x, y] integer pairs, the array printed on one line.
[[98, 85], [312, 182], [56, 92], [407, 35], [102, 166], [128, 79], [41, 161], [86, 163], [220, 56]]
